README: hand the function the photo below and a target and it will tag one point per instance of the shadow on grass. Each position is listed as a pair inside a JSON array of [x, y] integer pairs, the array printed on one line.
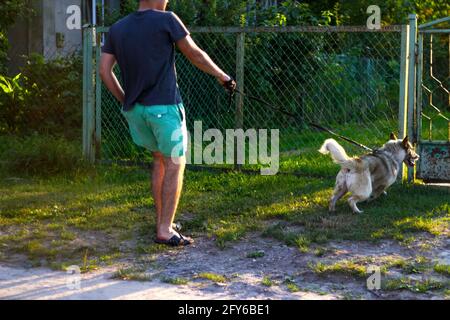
[[225, 206]]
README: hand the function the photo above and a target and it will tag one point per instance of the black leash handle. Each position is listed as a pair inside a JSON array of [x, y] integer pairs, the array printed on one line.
[[311, 124]]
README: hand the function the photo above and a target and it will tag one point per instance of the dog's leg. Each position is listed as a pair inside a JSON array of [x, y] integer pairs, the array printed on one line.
[[339, 191], [361, 190], [352, 201], [378, 192]]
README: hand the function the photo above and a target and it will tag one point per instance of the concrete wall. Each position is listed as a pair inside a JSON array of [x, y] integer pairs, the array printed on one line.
[[57, 38], [25, 37], [46, 32]]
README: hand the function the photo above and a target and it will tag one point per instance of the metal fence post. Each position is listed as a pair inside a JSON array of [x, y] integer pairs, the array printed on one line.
[[98, 96], [412, 85], [239, 116], [85, 89], [403, 98], [88, 95]]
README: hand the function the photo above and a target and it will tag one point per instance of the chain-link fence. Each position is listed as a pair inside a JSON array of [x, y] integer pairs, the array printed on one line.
[[344, 78]]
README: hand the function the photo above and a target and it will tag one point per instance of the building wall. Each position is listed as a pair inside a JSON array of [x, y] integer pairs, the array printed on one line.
[[57, 38], [46, 32], [25, 37]]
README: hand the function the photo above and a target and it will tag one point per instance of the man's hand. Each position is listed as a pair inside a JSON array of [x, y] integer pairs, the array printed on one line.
[[227, 82]]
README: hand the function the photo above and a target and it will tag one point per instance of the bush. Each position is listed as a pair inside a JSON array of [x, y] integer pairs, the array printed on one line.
[[54, 105], [10, 10], [46, 98], [3, 51], [12, 100], [40, 155], [191, 12]]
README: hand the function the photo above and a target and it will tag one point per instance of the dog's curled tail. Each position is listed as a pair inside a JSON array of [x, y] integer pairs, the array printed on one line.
[[338, 153]]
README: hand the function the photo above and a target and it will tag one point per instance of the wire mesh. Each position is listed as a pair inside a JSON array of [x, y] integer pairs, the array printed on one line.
[[346, 79]]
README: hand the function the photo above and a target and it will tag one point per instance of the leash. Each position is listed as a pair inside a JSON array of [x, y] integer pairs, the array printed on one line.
[[311, 124]]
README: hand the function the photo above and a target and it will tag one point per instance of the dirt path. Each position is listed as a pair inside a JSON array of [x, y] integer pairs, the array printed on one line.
[[287, 273], [46, 284]]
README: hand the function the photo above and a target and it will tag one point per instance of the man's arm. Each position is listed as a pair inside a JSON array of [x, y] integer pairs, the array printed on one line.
[[109, 78], [200, 59]]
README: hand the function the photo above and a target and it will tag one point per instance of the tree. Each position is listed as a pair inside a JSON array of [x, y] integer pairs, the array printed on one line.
[[10, 10]]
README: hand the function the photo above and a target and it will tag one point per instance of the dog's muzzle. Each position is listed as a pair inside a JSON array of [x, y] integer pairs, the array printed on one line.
[[411, 160]]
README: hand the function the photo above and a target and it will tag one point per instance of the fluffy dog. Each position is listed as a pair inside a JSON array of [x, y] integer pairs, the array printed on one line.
[[368, 176]]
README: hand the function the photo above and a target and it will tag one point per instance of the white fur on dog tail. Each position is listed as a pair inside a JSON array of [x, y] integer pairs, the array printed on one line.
[[338, 153]]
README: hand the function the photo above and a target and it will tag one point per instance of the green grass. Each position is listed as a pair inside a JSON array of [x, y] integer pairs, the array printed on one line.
[[255, 254], [291, 285], [133, 273], [175, 281], [58, 218], [418, 265], [416, 286], [41, 155], [266, 281], [343, 267], [443, 269], [218, 278], [302, 243], [321, 251]]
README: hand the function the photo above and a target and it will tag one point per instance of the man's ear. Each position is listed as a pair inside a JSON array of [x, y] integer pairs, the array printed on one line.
[[405, 143], [392, 136]]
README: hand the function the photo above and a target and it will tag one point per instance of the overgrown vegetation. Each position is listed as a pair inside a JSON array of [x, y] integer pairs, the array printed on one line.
[[41, 155], [417, 286], [44, 99], [10, 11], [292, 12], [40, 108], [41, 117]]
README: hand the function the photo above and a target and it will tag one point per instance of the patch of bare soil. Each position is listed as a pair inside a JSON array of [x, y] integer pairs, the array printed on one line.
[[254, 268]]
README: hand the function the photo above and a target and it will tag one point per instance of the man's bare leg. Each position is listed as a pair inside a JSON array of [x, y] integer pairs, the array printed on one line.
[[171, 190], [157, 183]]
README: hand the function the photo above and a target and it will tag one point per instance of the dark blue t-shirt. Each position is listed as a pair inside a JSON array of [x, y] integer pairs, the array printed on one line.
[[143, 44]]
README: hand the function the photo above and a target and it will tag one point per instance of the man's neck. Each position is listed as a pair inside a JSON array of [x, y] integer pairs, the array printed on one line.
[[144, 5]]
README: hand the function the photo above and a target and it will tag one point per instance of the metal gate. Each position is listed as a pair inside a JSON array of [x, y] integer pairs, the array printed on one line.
[[432, 128]]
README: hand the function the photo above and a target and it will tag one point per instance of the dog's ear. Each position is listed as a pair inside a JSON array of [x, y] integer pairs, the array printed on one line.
[[405, 143], [392, 136]]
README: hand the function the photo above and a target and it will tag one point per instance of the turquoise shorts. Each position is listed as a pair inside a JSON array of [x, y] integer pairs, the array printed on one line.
[[159, 128]]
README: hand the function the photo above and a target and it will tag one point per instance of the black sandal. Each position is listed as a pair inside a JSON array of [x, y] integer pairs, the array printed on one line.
[[175, 241]]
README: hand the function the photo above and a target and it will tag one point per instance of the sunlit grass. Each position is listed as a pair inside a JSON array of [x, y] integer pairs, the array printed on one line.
[[266, 281], [416, 286], [343, 267], [443, 269], [58, 218], [218, 278]]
